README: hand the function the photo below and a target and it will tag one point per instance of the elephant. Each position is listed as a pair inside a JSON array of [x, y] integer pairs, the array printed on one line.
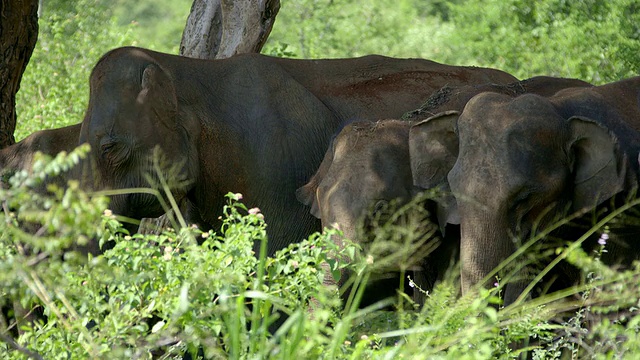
[[516, 164], [250, 124], [366, 172], [19, 156], [367, 166], [456, 97], [435, 149]]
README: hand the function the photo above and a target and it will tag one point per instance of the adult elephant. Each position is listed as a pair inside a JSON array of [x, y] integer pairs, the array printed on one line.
[[363, 179], [252, 124], [520, 163], [434, 142]]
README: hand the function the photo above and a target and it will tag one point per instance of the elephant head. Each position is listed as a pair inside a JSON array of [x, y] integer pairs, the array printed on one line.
[[520, 165], [135, 130], [364, 178], [364, 169]]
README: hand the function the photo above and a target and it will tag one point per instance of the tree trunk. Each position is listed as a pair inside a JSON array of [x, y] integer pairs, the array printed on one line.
[[18, 35], [219, 29]]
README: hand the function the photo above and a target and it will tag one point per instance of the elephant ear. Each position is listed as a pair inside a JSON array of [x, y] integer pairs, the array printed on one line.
[[307, 196], [307, 193], [599, 167], [159, 93], [433, 150]]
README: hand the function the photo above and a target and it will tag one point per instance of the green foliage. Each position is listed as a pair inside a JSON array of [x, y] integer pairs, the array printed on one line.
[[590, 39], [185, 291], [158, 24], [150, 293], [73, 35], [347, 28]]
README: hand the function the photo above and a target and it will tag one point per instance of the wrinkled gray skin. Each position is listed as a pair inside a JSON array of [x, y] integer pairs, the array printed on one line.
[[251, 124], [434, 146], [366, 173], [451, 97], [528, 160]]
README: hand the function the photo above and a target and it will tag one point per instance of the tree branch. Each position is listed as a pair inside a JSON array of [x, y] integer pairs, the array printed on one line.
[[15, 346]]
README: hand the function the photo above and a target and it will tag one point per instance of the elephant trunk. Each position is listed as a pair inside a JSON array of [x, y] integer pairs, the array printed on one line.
[[348, 232], [484, 244]]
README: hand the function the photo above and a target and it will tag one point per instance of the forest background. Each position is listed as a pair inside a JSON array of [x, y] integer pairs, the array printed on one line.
[[593, 40]]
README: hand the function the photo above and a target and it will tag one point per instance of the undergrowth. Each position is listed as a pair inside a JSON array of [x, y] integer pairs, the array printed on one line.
[[206, 294]]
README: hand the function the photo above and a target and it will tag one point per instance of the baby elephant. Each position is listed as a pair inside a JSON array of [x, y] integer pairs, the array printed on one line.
[[364, 177]]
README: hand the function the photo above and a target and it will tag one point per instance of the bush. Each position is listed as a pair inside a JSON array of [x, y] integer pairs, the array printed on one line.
[[591, 40], [347, 28], [166, 294], [154, 293]]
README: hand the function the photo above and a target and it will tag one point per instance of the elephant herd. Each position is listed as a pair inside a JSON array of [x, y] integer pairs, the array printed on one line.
[[324, 143]]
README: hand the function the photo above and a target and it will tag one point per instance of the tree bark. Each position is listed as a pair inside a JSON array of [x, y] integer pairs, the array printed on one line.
[[18, 35], [219, 29]]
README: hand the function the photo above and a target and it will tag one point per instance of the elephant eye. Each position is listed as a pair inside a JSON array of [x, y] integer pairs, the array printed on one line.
[[114, 153], [380, 206], [520, 200], [108, 147]]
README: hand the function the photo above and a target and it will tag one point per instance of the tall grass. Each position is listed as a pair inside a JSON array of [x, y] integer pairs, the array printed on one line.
[[188, 291]]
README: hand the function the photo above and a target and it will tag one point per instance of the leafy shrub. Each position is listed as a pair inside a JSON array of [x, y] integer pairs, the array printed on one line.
[[158, 24], [149, 293], [347, 28], [588, 39], [153, 295]]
